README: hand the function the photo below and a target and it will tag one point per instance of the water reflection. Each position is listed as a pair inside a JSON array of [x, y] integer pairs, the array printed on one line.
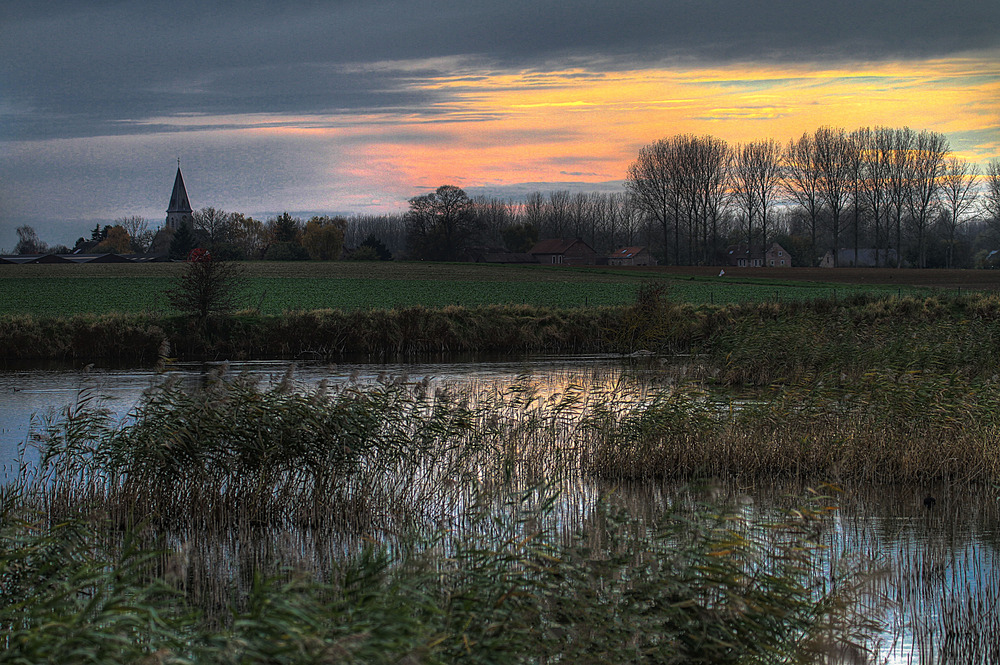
[[28, 397], [942, 569], [932, 573]]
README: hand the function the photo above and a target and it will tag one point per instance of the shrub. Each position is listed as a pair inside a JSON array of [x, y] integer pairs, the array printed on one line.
[[206, 286]]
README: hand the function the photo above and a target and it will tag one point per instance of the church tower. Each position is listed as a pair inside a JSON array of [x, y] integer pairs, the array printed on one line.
[[179, 211]]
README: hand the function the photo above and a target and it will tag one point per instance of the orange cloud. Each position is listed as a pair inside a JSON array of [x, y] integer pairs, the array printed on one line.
[[577, 125], [529, 126]]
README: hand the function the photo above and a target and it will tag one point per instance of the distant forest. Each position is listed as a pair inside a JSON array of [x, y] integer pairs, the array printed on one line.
[[895, 194]]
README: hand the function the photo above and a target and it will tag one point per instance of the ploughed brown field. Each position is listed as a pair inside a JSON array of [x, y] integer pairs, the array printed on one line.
[[945, 279]]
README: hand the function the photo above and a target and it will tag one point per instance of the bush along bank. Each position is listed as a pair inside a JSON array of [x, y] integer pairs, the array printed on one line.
[[736, 344], [315, 334]]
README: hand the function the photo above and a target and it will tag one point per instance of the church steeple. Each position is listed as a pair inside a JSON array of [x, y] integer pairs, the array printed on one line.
[[179, 211]]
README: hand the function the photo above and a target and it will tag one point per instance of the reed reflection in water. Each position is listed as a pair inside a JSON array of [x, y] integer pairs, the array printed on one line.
[[433, 451]]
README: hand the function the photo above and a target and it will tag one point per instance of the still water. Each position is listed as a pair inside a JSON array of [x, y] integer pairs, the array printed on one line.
[[934, 578], [29, 397]]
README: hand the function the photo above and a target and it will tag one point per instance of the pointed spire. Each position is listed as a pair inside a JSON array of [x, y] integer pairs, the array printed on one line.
[[179, 197], [179, 210]]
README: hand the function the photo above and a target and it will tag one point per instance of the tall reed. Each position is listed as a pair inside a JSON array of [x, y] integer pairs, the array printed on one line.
[[407, 520]]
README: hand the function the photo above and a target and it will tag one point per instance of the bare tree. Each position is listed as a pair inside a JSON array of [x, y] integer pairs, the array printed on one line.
[[682, 184], [216, 224], [856, 168], [139, 234], [756, 174], [491, 216], [875, 149], [958, 196], [603, 221], [652, 182], [628, 211], [712, 192], [387, 229], [926, 166], [28, 242], [557, 214], [534, 210], [991, 194], [801, 181], [834, 163], [899, 146]]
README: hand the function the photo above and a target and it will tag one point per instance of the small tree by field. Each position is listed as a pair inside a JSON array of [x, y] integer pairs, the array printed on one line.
[[206, 286], [117, 241], [324, 238]]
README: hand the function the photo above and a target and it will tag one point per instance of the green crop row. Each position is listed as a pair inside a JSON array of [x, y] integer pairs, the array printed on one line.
[[276, 288]]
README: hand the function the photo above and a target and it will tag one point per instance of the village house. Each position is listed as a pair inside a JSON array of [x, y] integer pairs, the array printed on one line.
[[631, 256], [562, 251], [745, 256]]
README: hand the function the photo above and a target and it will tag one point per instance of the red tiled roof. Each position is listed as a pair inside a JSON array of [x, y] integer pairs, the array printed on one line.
[[551, 246], [626, 252]]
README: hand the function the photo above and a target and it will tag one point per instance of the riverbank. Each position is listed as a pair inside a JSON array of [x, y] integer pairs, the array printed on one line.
[[752, 344]]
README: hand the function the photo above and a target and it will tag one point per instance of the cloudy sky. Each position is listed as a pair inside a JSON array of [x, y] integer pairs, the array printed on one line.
[[354, 106]]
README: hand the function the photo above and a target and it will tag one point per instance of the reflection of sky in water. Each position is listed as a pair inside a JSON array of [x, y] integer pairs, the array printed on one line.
[[940, 567], [948, 558]]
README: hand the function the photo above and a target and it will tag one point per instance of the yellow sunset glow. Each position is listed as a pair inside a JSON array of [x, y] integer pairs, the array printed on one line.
[[581, 126], [584, 126]]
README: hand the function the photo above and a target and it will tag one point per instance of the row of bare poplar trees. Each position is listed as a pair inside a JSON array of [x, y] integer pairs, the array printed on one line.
[[868, 185]]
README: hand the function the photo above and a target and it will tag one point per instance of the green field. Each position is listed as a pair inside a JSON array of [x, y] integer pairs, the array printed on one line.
[[52, 290]]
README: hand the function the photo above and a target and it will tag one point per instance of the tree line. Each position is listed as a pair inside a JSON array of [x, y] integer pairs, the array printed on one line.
[[896, 192], [897, 195]]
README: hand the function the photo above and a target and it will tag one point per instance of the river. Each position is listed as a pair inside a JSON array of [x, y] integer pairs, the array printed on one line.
[[30, 396], [936, 574]]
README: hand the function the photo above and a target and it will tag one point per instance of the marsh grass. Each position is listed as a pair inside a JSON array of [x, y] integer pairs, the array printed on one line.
[[742, 345], [407, 520], [888, 427]]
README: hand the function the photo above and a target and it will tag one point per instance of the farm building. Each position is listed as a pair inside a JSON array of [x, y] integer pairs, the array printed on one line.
[[631, 256], [562, 251], [66, 258], [746, 256]]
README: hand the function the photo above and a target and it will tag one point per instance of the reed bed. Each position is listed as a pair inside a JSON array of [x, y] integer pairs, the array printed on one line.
[[887, 428], [404, 520], [283, 456]]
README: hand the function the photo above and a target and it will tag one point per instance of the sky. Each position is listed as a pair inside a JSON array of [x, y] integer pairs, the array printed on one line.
[[355, 106]]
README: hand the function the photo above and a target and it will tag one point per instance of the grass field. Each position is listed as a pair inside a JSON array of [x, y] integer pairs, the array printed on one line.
[[52, 290]]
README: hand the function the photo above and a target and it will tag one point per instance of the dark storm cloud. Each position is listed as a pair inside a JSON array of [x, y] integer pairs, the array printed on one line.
[[84, 69]]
